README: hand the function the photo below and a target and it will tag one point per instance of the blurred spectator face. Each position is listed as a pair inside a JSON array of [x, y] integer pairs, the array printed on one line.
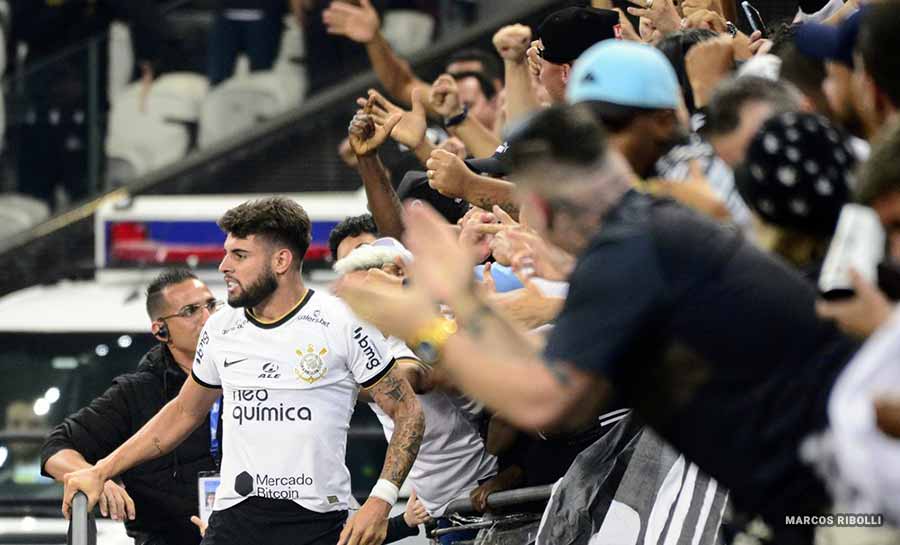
[[554, 78], [189, 298], [457, 67], [351, 243], [873, 108], [732, 147], [842, 97], [482, 109]]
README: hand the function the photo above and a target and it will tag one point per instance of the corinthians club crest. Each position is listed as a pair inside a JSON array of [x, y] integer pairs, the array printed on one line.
[[311, 367]]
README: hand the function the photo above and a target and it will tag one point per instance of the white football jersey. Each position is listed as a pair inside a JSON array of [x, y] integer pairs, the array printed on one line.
[[289, 389], [452, 459]]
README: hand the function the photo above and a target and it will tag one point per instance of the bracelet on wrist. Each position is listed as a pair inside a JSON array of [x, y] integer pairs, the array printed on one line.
[[456, 119]]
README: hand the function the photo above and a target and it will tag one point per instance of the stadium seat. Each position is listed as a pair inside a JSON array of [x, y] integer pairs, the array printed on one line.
[[408, 31], [249, 98], [121, 59], [139, 141], [20, 212], [178, 96], [293, 46], [240, 103]]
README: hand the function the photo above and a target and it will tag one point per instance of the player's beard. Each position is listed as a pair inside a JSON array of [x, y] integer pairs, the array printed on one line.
[[257, 292]]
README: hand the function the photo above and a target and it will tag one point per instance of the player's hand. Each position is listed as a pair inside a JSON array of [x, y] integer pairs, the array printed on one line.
[[368, 526], [115, 503], [88, 481], [201, 526]]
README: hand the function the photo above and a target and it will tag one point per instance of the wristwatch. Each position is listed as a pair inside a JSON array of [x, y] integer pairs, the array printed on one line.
[[457, 119], [428, 343]]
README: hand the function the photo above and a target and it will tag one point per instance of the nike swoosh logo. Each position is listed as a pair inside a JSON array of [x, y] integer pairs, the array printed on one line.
[[230, 363]]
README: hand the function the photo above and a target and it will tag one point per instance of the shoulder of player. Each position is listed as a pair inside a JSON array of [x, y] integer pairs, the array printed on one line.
[[224, 319], [331, 309]]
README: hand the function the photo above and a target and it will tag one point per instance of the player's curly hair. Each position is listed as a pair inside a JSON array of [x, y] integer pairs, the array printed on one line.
[[279, 220]]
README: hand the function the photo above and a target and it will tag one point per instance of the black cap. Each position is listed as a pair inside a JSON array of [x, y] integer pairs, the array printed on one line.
[[496, 166], [568, 33], [415, 186], [798, 173]]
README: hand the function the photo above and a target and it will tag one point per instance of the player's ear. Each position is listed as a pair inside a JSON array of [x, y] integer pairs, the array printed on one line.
[[282, 261]]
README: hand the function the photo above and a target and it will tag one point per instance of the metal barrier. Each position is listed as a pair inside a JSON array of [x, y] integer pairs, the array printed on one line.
[[496, 526], [82, 527], [504, 499]]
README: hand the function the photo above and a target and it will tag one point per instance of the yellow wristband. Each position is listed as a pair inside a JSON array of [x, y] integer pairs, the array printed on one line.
[[428, 343]]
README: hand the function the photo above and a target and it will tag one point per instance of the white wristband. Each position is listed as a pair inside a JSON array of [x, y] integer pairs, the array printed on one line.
[[385, 490]]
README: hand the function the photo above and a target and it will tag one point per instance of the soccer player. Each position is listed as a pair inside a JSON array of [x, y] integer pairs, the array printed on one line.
[[288, 362]]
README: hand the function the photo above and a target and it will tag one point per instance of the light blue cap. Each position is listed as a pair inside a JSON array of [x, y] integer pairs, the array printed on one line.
[[624, 73]]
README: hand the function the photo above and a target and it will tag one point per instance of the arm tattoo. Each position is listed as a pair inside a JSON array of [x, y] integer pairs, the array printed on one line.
[[393, 389], [158, 444], [395, 397]]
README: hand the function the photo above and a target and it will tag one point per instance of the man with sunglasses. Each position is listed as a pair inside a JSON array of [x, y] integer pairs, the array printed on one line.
[[155, 499]]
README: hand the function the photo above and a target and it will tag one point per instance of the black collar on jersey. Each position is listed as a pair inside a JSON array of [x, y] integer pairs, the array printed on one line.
[[291, 313]]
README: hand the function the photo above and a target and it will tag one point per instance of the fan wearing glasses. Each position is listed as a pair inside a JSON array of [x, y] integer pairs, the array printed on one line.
[[155, 499]]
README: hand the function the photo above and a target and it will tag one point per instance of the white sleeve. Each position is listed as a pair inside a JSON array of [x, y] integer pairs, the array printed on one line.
[[204, 371], [399, 350], [368, 356]]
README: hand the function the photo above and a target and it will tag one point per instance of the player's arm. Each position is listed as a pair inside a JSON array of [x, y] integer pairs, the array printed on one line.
[[396, 398], [414, 372], [165, 431]]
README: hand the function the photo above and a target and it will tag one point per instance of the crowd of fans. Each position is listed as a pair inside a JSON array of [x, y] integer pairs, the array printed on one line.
[[637, 219], [528, 178]]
